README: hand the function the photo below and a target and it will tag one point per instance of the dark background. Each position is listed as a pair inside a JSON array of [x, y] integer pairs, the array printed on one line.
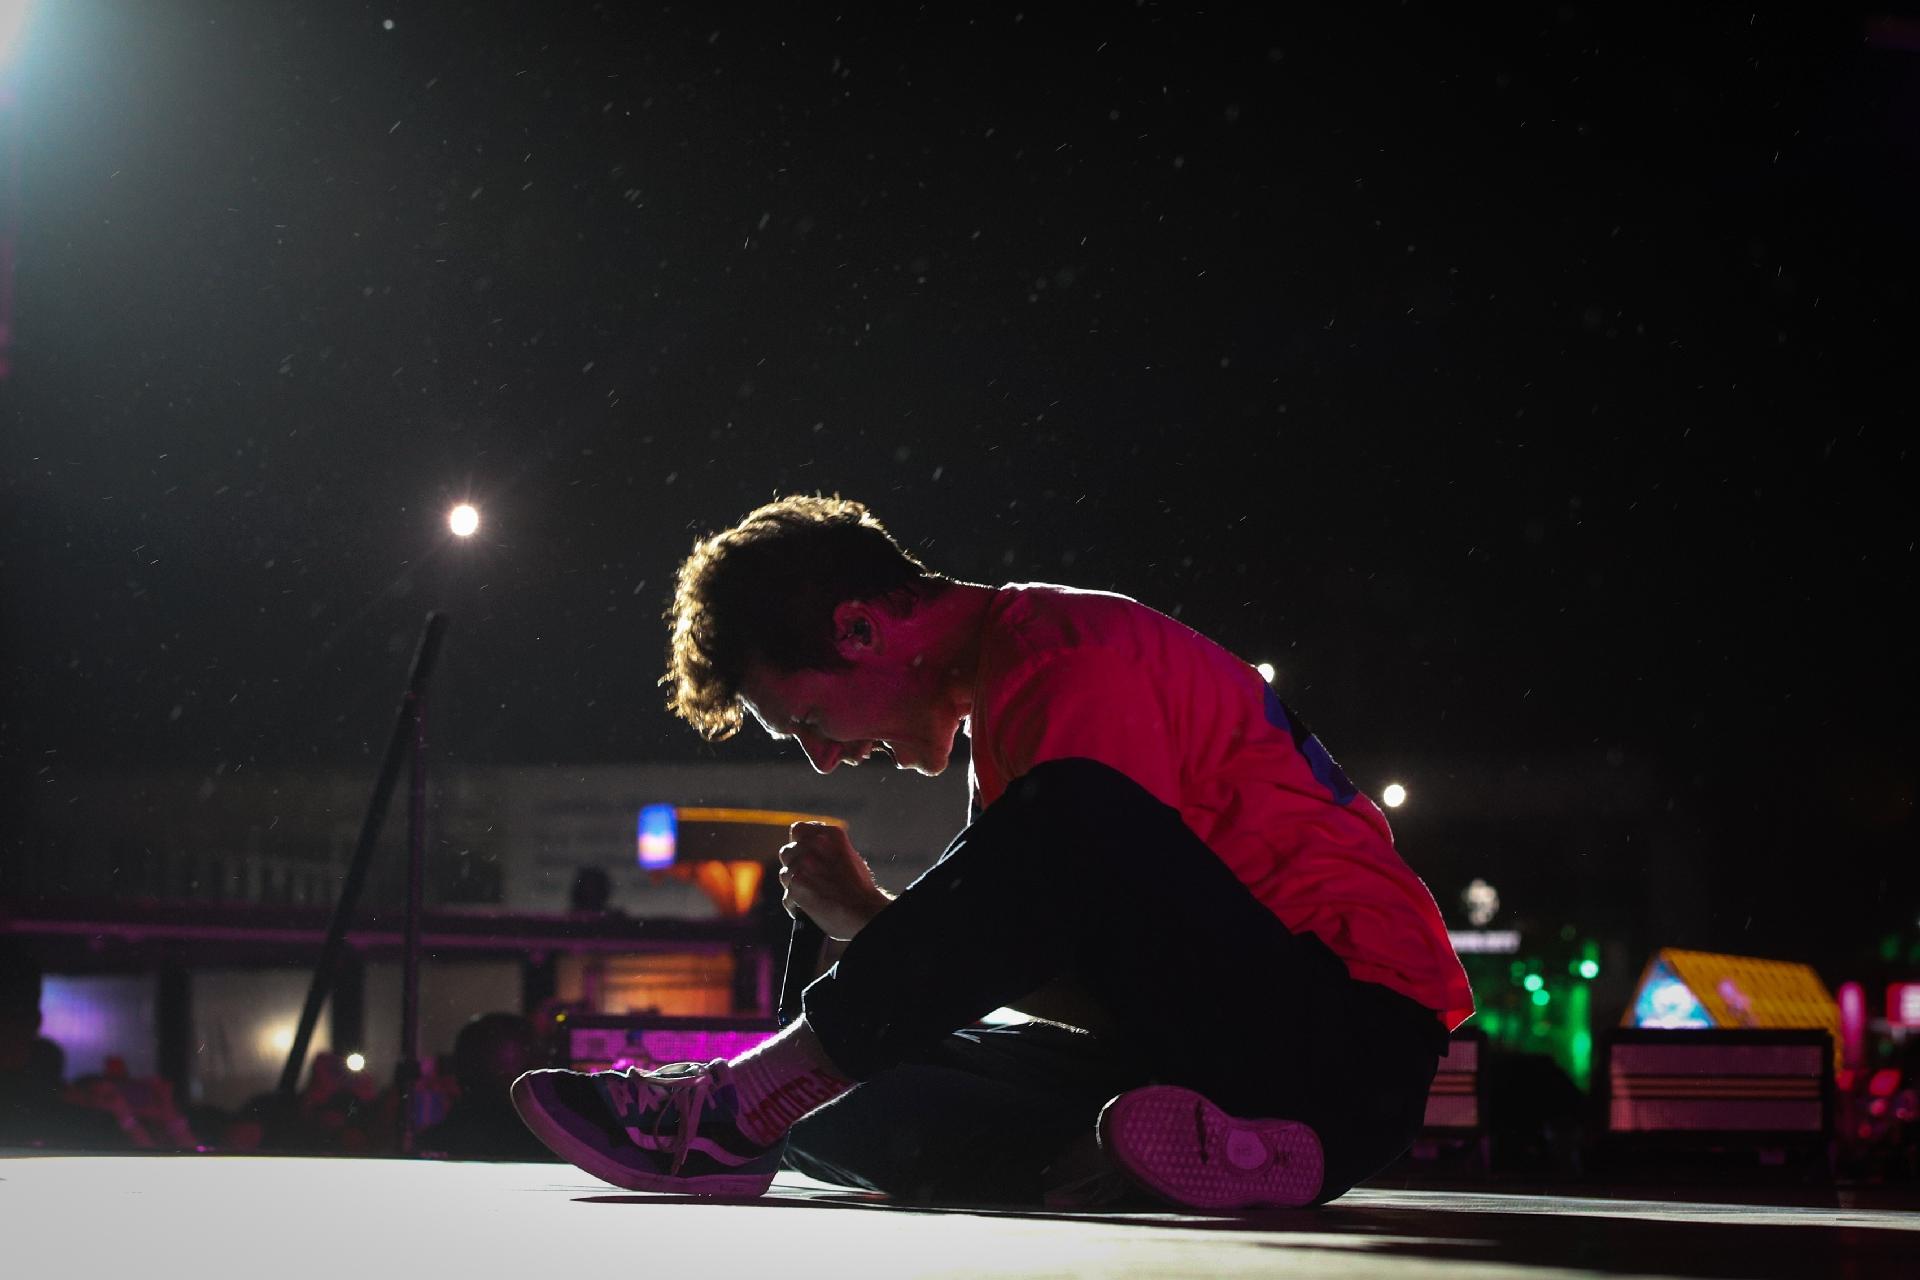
[[1528, 383]]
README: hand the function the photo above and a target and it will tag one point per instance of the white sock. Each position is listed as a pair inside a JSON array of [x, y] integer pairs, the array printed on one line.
[[781, 1080]]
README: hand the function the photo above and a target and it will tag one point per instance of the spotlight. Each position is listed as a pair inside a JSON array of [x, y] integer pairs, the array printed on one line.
[[1394, 795], [464, 520], [13, 25]]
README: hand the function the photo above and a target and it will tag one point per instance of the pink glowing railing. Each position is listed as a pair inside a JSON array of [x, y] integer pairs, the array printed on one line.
[[602, 1043]]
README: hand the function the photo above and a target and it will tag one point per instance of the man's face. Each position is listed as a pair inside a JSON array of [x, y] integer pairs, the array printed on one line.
[[879, 704]]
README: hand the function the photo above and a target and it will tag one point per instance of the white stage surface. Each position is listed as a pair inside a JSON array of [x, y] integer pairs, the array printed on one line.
[[280, 1218]]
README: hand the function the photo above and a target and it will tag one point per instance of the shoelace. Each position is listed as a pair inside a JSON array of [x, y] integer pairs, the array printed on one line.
[[687, 1092]]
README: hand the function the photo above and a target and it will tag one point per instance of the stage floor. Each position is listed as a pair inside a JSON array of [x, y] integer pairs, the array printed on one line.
[[276, 1218]]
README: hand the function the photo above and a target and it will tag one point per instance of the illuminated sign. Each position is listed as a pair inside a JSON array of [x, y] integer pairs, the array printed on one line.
[[1500, 942], [1666, 1001], [657, 836], [1704, 989], [1903, 1004]]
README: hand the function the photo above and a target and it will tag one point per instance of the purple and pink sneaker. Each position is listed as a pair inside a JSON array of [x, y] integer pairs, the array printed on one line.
[[1179, 1146], [670, 1129]]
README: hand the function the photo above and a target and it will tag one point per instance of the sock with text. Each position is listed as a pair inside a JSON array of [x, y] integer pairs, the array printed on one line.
[[781, 1080]]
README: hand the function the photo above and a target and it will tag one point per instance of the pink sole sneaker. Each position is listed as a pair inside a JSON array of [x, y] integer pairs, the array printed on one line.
[[1182, 1148]]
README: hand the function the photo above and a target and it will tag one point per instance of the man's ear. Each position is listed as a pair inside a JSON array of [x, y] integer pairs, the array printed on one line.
[[856, 630]]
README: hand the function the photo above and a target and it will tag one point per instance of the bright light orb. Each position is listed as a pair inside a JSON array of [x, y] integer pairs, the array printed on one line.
[[1266, 671], [1394, 796], [356, 1062], [464, 520], [13, 25]]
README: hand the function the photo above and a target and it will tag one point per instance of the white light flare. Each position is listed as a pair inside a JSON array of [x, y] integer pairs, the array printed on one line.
[[356, 1062], [1393, 796], [1266, 671], [464, 520], [13, 26]]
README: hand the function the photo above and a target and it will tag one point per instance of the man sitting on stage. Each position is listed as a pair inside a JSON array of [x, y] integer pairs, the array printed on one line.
[[1245, 989]]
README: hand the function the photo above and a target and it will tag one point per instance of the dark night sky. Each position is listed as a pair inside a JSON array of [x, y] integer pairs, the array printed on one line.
[[1521, 380]]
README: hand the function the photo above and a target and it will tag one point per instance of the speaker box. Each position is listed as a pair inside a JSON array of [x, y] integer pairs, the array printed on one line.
[[1764, 1094]]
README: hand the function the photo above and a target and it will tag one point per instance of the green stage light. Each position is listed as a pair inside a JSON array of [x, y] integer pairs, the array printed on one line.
[[1589, 969], [1534, 982], [1541, 997]]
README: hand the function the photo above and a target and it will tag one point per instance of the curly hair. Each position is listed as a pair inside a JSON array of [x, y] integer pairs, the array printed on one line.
[[765, 591]]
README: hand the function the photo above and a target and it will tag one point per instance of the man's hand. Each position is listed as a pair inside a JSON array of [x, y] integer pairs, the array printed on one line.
[[824, 877]]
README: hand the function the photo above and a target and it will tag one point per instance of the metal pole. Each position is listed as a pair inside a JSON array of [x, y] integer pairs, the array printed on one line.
[[398, 744], [407, 1072]]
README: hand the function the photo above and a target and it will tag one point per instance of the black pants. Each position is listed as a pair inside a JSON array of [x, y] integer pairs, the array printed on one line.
[[1079, 873]]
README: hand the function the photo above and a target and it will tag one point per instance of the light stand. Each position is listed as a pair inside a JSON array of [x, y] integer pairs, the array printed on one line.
[[408, 737]]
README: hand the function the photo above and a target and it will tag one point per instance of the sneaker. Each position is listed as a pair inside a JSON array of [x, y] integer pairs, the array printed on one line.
[[670, 1129], [1182, 1148]]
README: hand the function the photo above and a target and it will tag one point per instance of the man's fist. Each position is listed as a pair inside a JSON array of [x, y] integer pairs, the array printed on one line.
[[824, 877]]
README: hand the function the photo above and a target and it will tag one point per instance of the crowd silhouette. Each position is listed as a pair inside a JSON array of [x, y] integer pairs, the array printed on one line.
[[460, 1108]]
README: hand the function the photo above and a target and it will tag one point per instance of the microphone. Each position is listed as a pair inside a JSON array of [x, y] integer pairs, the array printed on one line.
[[803, 953]]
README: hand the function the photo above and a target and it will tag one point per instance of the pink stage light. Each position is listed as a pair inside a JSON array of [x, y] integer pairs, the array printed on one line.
[[1853, 1024]]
